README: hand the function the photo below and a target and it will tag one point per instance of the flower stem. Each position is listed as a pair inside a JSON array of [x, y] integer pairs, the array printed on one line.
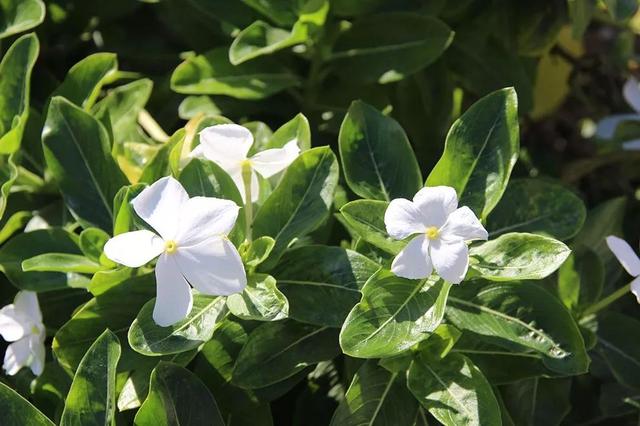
[[151, 126], [606, 301], [248, 205]]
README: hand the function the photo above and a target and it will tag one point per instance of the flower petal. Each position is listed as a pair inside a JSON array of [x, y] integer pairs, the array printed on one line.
[[463, 224], [37, 350], [403, 218], [413, 261], [226, 144], [205, 217], [236, 176], [631, 93], [272, 161], [13, 324], [134, 249], [173, 294], [16, 356], [635, 288], [26, 302], [625, 254], [213, 267], [632, 145], [436, 203], [160, 205], [450, 259]]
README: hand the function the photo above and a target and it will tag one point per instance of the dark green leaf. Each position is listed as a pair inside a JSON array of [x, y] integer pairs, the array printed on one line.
[[260, 300], [538, 401], [20, 15], [17, 411], [580, 279], [366, 219], [619, 344]]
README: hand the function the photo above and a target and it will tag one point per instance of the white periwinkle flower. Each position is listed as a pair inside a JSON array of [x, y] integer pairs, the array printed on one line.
[[607, 126], [228, 145], [628, 259], [441, 230], [21, 324], [191, 240]]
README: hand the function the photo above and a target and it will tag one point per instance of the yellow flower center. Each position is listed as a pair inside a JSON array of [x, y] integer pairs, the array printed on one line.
[[432, 232], [35, 329], [245, 164], [170, 247]]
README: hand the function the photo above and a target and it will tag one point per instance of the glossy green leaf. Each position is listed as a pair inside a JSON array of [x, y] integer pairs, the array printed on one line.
[[8, 175], [17, 16], [365, 218], [148, 338], [480, 152], [282, 12], [85, 79], [31, 244], [454, 390], [376, 155], [206, 179], [518, 256], [213, 74], [276, 351], [15, 68], [580, 279], [520, 317], [538, 207], [619, 345], [124, 217], [295, 129], [177, 397], [77, 153], [60, 262], [92, 241], [255, 252], [160, 164], [18, 411], [91, 399], [261, 300], [300, 203], [394, 314], [314, 278], [376, 397], [538, 401], [388, 47]]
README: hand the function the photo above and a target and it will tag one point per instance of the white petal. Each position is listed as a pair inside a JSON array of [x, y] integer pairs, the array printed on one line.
[[633, 145], [198, 152], [173, 294], [236, 176], [16, 356], [37, 350], [631, 93], [450, 259], [205, 217], [413, 261], [226, 144], [27, 303], [13, 324], [607, 126], [463, 224], [403, 218], [272, 161], [213, 267], [635, 288], [436, 203], [134, 249], [625, 254], [160, 204]]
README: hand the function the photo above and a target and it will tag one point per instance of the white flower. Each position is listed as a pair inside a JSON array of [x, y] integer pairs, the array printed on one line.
[[441, 229], [21, 323], [629, 260], [227, 145], [191, 240], [607, 126]]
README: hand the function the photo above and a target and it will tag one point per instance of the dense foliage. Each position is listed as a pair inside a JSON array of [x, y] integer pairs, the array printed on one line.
[[523, 114]]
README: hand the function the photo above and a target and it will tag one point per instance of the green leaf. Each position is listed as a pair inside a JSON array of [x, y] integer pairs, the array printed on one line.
[[480, 152], [366, 219], [84, 80], [17, 16], [376, 155], [18, 411], [176, 397], [77, 152], [91, 399], [454, 390], [92, 241], [295, 129], [538, 401], [148, 338], [8, 175], [301, 201], [60, 262], [260, 300], [621, 10], [282, 12], [388, 47], [538, 207], [520, 317], [276, 351], [255, 252], [580, 14], [16, 67], [518, 256], [603, 220], [213, 74], [618, 343], [160, 165], [206, 179], [376, 398], [394, 314], [316, 277], [34, 243], [580, 279], [124, 217]]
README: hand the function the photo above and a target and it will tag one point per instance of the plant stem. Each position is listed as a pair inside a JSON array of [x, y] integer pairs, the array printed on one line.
[[606, 301], [151, 126], [248, 204]]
